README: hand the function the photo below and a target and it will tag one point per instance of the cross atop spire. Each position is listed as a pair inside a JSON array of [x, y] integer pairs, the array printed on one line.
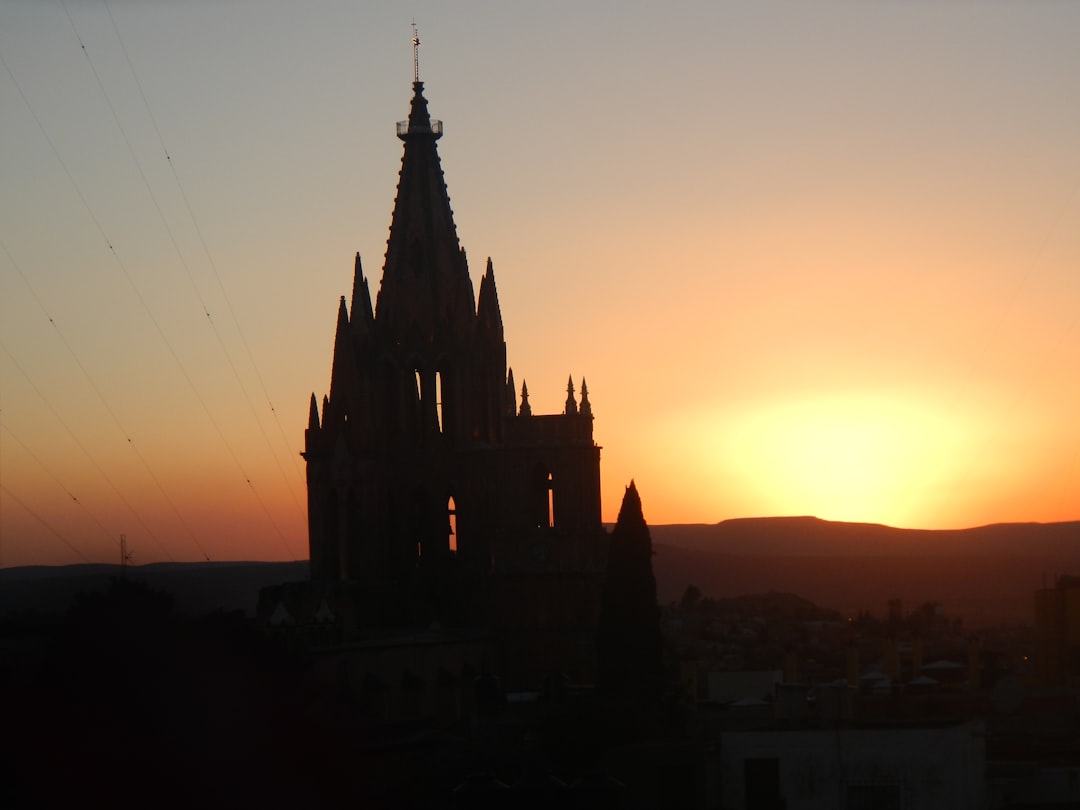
[[419, 121], [415, 53]]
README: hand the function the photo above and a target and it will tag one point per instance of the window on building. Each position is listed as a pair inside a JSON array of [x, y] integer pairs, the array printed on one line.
[[439, 399], [416, 407], [451, 513], [543, 497], [550, 502]]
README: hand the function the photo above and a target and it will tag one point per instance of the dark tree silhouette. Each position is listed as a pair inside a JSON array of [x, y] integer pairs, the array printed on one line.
[[629, 644]]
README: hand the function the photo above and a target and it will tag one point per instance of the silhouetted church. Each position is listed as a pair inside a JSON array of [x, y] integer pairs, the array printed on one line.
[[433, 490]]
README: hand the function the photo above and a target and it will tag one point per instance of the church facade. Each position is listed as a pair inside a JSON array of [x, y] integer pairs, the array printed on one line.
[[433, 490]]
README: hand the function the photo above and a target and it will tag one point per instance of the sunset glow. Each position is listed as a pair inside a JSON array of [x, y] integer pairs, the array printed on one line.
[[846, 455], [824, 263]]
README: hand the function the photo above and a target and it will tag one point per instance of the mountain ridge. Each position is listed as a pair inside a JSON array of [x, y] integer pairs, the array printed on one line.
[[818, 537], [984, 573]]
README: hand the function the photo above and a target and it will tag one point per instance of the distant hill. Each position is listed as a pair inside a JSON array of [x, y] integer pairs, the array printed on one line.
[[816, 537], [986, 574], [197, 588]]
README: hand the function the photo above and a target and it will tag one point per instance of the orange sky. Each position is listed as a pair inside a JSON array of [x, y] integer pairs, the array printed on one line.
[[812, 257]]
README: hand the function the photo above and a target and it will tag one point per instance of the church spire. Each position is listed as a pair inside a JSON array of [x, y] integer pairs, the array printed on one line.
[[571, 403], [586, 406], [425, 294], [343, 371], [360, 307], [419, 122], [511, 393], [487, 306]]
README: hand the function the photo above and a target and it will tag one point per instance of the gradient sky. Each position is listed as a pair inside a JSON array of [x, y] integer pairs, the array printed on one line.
[[812, 257]]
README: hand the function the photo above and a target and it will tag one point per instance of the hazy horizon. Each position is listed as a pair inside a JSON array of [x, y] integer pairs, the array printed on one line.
[[813, 258]]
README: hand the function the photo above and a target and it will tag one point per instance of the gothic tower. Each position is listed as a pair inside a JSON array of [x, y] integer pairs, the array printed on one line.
[[422, 466]]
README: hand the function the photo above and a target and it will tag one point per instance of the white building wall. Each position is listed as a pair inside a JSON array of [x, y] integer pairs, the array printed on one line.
[[934, 767]]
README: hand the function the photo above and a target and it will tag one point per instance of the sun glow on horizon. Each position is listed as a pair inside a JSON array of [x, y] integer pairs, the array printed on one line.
[[873, 320], [852, 456], [842, 456]]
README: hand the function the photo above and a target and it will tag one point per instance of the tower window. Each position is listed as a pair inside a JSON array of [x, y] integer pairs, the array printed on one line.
[[451, 514], [439, 399], [418, 405], [542, 498], [550, 502]]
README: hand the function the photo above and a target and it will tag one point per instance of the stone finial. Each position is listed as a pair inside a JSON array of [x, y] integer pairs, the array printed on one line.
[[526, 408], [571, 403], [586, 406], [360, 310]]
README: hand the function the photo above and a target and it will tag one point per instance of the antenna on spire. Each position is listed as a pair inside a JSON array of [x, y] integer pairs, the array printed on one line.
[[415, 53]]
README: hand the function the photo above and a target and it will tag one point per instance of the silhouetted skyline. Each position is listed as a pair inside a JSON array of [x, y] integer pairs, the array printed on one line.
[[812, 258]]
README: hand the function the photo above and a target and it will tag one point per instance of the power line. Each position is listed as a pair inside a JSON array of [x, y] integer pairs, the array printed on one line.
[[191, 279], [56, 479], [217, 277], [43, 522], [142, 301], [71, 433]]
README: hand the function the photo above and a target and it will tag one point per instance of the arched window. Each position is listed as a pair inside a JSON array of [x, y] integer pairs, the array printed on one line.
[[417, 404], [543, 497], [439, 400], [451, 514], [550, 501]]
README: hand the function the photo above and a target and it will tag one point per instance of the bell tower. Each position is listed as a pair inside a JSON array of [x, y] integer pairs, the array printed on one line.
[[426, 480]]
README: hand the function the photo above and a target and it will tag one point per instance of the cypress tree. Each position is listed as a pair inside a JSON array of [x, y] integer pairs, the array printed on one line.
[[629, 646]]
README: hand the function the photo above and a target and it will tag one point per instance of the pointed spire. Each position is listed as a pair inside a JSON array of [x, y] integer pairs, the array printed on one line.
[[360, 307], [425, 278], [342, 342], [420, 123], [487, 307], [511, 393], [571, 403], [586, 406], [343, 369], [313, 413], [526, 408]]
